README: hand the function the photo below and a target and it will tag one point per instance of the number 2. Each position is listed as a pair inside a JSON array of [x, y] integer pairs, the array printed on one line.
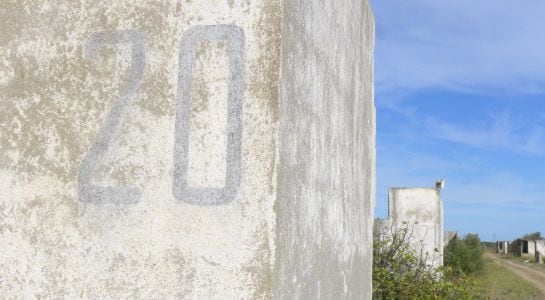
[[88, 192]]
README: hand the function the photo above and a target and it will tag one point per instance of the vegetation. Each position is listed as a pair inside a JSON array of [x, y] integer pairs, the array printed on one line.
[[496, 282], [465, 254], [399, 273], [489, 246], [533, 236]]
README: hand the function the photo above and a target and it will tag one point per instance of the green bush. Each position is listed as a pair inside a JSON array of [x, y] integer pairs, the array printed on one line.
[[465, 254], [399, 273], [533, 236]]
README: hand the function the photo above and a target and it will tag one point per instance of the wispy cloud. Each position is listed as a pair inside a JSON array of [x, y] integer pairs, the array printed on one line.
[[464, 45], [400, 167], [502, 188], [499, 132]]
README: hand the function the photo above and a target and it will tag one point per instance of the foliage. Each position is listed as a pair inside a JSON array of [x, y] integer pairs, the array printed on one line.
[[400, 273], [490, 246], [532, 236], [465, 254]]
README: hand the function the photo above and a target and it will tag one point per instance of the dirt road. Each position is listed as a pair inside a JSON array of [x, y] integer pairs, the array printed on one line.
[[533, 276]]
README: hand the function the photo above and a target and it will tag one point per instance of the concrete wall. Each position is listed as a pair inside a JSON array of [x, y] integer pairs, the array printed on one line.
[[327, 138], [525, 247], [502, 247], [194, 150], [422, 210], [531, 246], [539, 251]]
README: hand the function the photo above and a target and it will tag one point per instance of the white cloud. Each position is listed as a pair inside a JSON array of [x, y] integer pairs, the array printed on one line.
[[500, 132], [465, 45], [502, 188]]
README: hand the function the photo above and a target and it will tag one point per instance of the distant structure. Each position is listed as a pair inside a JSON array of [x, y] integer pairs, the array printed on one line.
[[502, 247], [524, 247], [421, 209], [530, 248]]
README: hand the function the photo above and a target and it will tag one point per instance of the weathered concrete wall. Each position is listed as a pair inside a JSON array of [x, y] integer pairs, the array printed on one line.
[[422, 210], [122, 122], [186, 149], [326, 120], [526, 247], [539, 251], [502, 247]]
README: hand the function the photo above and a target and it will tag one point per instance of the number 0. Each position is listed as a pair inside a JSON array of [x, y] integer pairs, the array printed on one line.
[[234, 36]]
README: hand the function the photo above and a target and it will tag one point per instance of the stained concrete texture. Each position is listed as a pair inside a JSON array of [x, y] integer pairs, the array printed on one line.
[[186, 149], [420, 211], [540, 251]]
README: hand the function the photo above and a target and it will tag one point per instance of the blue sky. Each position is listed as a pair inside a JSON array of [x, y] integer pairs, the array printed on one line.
[[460, 95]]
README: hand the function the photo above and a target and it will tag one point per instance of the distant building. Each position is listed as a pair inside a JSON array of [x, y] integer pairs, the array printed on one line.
[[502, 247], [525, 247], [421, 210], [530, 248]]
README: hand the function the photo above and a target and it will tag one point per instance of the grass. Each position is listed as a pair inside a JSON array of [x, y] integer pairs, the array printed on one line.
[[520, 259], [529, 261], [499, 283]]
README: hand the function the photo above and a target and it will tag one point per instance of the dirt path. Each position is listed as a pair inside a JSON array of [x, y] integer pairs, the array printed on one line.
[[535, 277]]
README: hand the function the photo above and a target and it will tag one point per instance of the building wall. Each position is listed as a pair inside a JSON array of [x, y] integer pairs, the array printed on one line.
[[531, 248], [193, 150], [502, 247], [539, 250], [525, 247], [327, 141], [421, 209]]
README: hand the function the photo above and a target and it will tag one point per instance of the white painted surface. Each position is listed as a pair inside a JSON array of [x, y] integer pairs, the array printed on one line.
[[56, 101], [208, 119], [421, 210], [326, 167]]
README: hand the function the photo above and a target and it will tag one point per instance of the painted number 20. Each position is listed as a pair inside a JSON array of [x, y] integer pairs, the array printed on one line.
[[234, 35]]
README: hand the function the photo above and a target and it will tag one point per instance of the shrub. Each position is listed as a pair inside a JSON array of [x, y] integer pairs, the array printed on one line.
[[533, 236], [465, 254], [399, 273]]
